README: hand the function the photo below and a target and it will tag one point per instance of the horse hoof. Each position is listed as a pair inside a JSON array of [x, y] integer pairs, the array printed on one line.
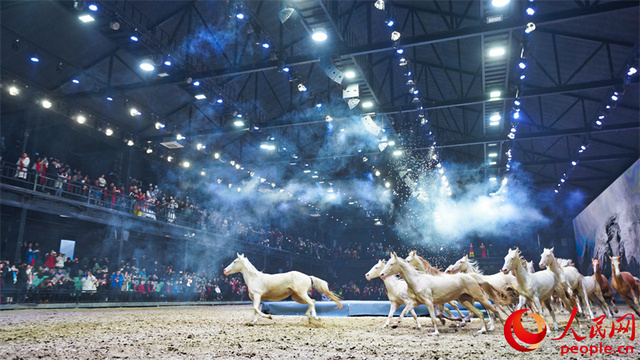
[[394, 326], [463, 324], [481, 331], [491, 329], [269, 317]]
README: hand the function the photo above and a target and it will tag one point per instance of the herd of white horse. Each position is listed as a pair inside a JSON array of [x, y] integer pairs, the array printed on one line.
[[517, 285]]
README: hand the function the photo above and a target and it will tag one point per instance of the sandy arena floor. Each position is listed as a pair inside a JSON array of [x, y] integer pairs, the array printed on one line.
[[223, 332]]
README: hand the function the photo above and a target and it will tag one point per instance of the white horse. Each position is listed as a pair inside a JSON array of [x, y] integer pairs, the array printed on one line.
[[279, 286], [594, 293], [537, 287], [530, 268], [396, 292], [439, 289], [422, 265], [570, 279], [501, 281]]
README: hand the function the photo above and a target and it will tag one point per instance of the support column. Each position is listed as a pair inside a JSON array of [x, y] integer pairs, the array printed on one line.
[[20, 237]]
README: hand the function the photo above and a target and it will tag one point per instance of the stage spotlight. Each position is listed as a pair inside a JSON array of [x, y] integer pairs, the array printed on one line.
[[14, 91], [75, 81], [397, 153], [196, 83], [500, 3], [35, 58], [149, 150], [238, 123], [93, 7], [134, 112], [134, 38], [216, 156], [240, 15], [495, 94], [109, 98], [147, 65], [180, 137], [159, 125], [219, 100], [530, 28], [114, 25], [200, 96], [395, 36], [85, 18], [349, 74], [632, 70], [81, 119], [319, 35], [203, 173], [169, 158], [265, 45], [379, 4], [130, 142], [530, 11], [574, 163], [15, 45], [516, 115], [522, 65], [497, 51], [267, 146], [389, 22], [302, 87], [367, 104], [200, 146], [108, 131], [186, 164], [46, 104]]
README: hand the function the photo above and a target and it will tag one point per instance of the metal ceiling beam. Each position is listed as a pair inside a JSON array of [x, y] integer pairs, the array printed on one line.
[[384, 46]]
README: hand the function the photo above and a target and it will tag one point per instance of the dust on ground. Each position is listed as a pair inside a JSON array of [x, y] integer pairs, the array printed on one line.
[[224, 332]]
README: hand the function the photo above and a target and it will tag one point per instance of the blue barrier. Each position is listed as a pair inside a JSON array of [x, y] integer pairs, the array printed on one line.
[[350, 308]]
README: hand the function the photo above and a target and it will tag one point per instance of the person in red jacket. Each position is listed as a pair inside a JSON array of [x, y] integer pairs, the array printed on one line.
[[50, 260]]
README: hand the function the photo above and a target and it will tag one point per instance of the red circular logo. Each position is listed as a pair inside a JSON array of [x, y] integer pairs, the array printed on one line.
[[515, 320]]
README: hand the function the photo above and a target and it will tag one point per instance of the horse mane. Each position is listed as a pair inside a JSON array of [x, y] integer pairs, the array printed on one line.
[[428, 269], [564, 262], [249, 265], [473, 265]]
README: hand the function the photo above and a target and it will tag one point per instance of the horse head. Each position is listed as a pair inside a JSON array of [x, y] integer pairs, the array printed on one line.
[[375, 270], [391, 267], [615, 265], [235, 266], [595, 263], [510, 259], [546, 258], [530, 267], [457, 267]]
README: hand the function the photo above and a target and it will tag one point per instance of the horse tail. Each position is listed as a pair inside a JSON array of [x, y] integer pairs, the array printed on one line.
[[323, 287], [497, 295]]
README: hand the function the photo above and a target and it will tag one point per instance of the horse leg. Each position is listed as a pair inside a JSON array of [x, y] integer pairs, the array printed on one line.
[[415, 317], [392, 310], [584, 297], [521, 302], [469, 305], [547, 303], [462, 317], [407, 308], [256, 309], [303, 298], [602, 302], [432, 313]]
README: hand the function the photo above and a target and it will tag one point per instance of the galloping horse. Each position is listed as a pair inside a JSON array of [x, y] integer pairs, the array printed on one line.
[[279, 286], [396, 292], [625, 284], [570, 279], [438, 289], [537, 287]]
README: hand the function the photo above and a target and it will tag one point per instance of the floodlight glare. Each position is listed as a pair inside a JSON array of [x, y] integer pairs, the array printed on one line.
[[130, 143], [367, 104], [81, 119], [14, 91], [497, 51], [395, 36], [319, 35], [499, 3], [495, 117], [495, 94], [238, 123], [200, 96], [147, 65], [108, 132], [46, 104], [86, 18], [349, 74]]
